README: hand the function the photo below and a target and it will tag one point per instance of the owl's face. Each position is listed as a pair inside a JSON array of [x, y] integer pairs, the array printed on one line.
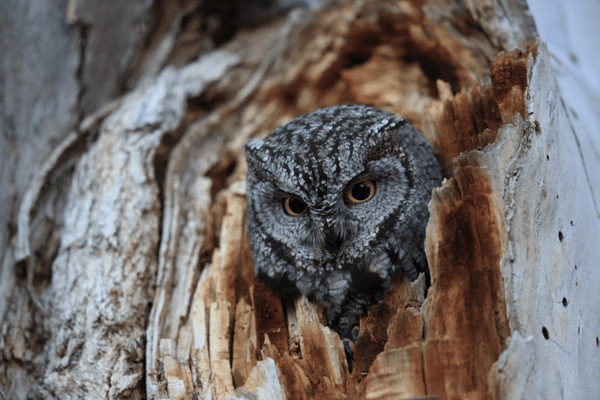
[[336, 201]]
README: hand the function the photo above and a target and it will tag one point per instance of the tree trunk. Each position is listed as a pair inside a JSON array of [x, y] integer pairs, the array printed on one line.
[[126, 269]]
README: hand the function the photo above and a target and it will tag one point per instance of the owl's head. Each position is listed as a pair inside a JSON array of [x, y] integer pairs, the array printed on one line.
[[336, 200]]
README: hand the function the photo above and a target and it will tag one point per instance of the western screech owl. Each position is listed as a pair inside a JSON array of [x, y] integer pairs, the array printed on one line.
[[337, 206]]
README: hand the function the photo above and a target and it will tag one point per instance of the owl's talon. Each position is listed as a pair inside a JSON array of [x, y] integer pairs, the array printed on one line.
[[354, 333], [348, 347]]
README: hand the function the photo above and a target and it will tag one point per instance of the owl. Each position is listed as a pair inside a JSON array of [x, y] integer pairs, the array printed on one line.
[[337, 208]]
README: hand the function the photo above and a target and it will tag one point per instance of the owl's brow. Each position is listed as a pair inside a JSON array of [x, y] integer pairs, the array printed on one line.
[[364, 174]]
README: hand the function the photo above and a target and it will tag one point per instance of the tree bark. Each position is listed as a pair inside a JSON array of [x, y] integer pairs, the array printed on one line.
[[126, 270]]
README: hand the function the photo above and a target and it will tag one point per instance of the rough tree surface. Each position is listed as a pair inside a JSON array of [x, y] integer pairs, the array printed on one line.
[[125, 266]]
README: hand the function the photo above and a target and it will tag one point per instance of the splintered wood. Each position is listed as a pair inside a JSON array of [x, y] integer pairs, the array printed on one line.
[[245, 340], [431, 338]]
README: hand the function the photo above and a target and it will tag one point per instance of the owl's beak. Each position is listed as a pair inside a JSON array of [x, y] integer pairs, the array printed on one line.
[[333, 240], [333, 232]]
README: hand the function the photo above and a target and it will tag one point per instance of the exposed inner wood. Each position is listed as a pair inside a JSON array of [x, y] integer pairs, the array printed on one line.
[[442, 342]]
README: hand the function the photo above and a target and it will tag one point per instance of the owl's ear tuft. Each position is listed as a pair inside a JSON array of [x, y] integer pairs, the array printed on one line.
[[254, 151], [256, 155], [253, 144]]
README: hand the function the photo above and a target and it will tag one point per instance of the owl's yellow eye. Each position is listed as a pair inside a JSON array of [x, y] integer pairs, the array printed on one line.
[[361, 191], [293, 206]]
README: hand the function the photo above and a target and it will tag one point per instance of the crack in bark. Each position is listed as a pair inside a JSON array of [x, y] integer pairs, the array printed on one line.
[[582, 158]]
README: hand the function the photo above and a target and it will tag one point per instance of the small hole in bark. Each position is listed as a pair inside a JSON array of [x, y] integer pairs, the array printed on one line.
[[560, 236], [572, 223], [356, 59], [573, 57], [575, 266], [548, 157], [545, 333], [565, 302], [557, 196], [597, 342]]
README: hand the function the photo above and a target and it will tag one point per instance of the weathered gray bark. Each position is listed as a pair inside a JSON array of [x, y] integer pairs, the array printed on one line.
[[39, 92], [125, 267], [550, 268]]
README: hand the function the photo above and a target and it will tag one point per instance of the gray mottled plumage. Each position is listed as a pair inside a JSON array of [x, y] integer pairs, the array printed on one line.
[[340, 254]]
